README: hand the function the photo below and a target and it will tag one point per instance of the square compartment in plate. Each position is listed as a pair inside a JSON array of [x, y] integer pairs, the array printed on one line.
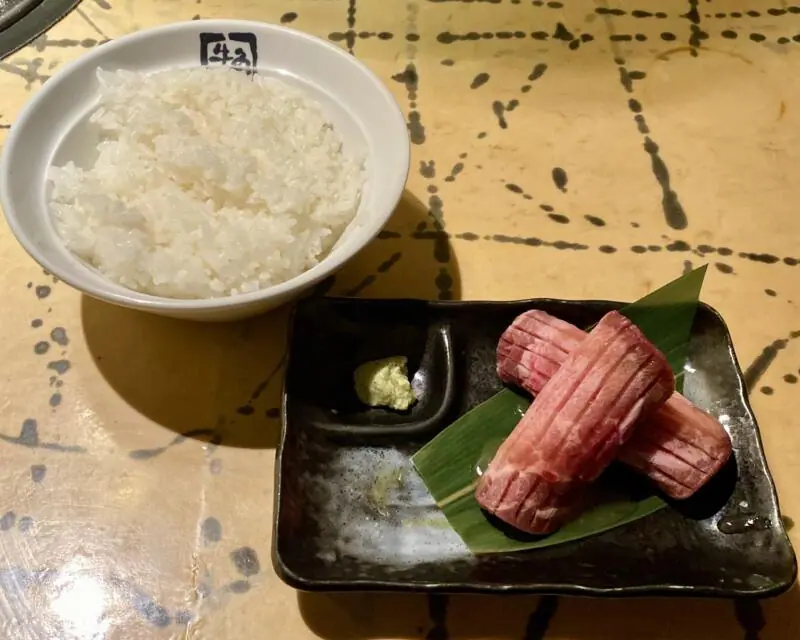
[[331, 339], [351, 513]]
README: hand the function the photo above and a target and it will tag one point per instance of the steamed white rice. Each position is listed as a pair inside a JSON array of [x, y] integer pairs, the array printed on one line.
[[208, 183]]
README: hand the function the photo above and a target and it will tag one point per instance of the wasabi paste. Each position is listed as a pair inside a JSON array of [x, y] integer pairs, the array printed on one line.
[[385, 383]]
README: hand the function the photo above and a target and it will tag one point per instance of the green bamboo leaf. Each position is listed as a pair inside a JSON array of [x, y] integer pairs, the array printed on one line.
[[666, 316], [450, 464]]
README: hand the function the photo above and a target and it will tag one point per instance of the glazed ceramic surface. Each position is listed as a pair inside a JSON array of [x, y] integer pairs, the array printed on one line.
[[353, 514], [22, 20]]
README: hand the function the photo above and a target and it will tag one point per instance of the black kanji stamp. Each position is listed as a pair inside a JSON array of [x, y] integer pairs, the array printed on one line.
[[236, 50]]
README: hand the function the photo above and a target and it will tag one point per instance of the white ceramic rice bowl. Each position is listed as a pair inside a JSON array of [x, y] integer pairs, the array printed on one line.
[[53, 128]]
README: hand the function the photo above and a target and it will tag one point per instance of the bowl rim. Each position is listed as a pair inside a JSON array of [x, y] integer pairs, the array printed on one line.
[[132, 298]]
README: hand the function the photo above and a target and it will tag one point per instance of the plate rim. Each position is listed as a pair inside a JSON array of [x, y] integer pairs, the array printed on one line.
[[32, 23]]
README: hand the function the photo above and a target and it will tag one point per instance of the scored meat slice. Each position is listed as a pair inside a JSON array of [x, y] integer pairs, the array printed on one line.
[[575, 427], [533, 348], [680, 447]]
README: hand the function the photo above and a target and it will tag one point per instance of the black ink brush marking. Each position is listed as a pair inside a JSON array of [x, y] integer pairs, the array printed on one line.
[[674, 213], [370, 279], [29, 437], [479, 80], [756, 370], [92, 24], [750, 617], [245, 560], [146, 454], [339, 36], [437, 612], [697, 35], [351, 26], [539, 621], [560, 179], [410, 78]]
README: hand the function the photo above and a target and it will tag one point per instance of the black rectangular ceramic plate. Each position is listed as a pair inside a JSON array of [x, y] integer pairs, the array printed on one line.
[[351, 514]]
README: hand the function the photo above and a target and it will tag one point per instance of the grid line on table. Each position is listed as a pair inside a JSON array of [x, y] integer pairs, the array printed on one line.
[[693, 16], [674, 214]]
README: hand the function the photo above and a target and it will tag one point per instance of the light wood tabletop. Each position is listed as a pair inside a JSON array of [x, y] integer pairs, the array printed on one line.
[[569, 149]]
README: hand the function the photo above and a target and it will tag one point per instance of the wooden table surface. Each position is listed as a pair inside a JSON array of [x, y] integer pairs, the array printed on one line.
[[569, 149]]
